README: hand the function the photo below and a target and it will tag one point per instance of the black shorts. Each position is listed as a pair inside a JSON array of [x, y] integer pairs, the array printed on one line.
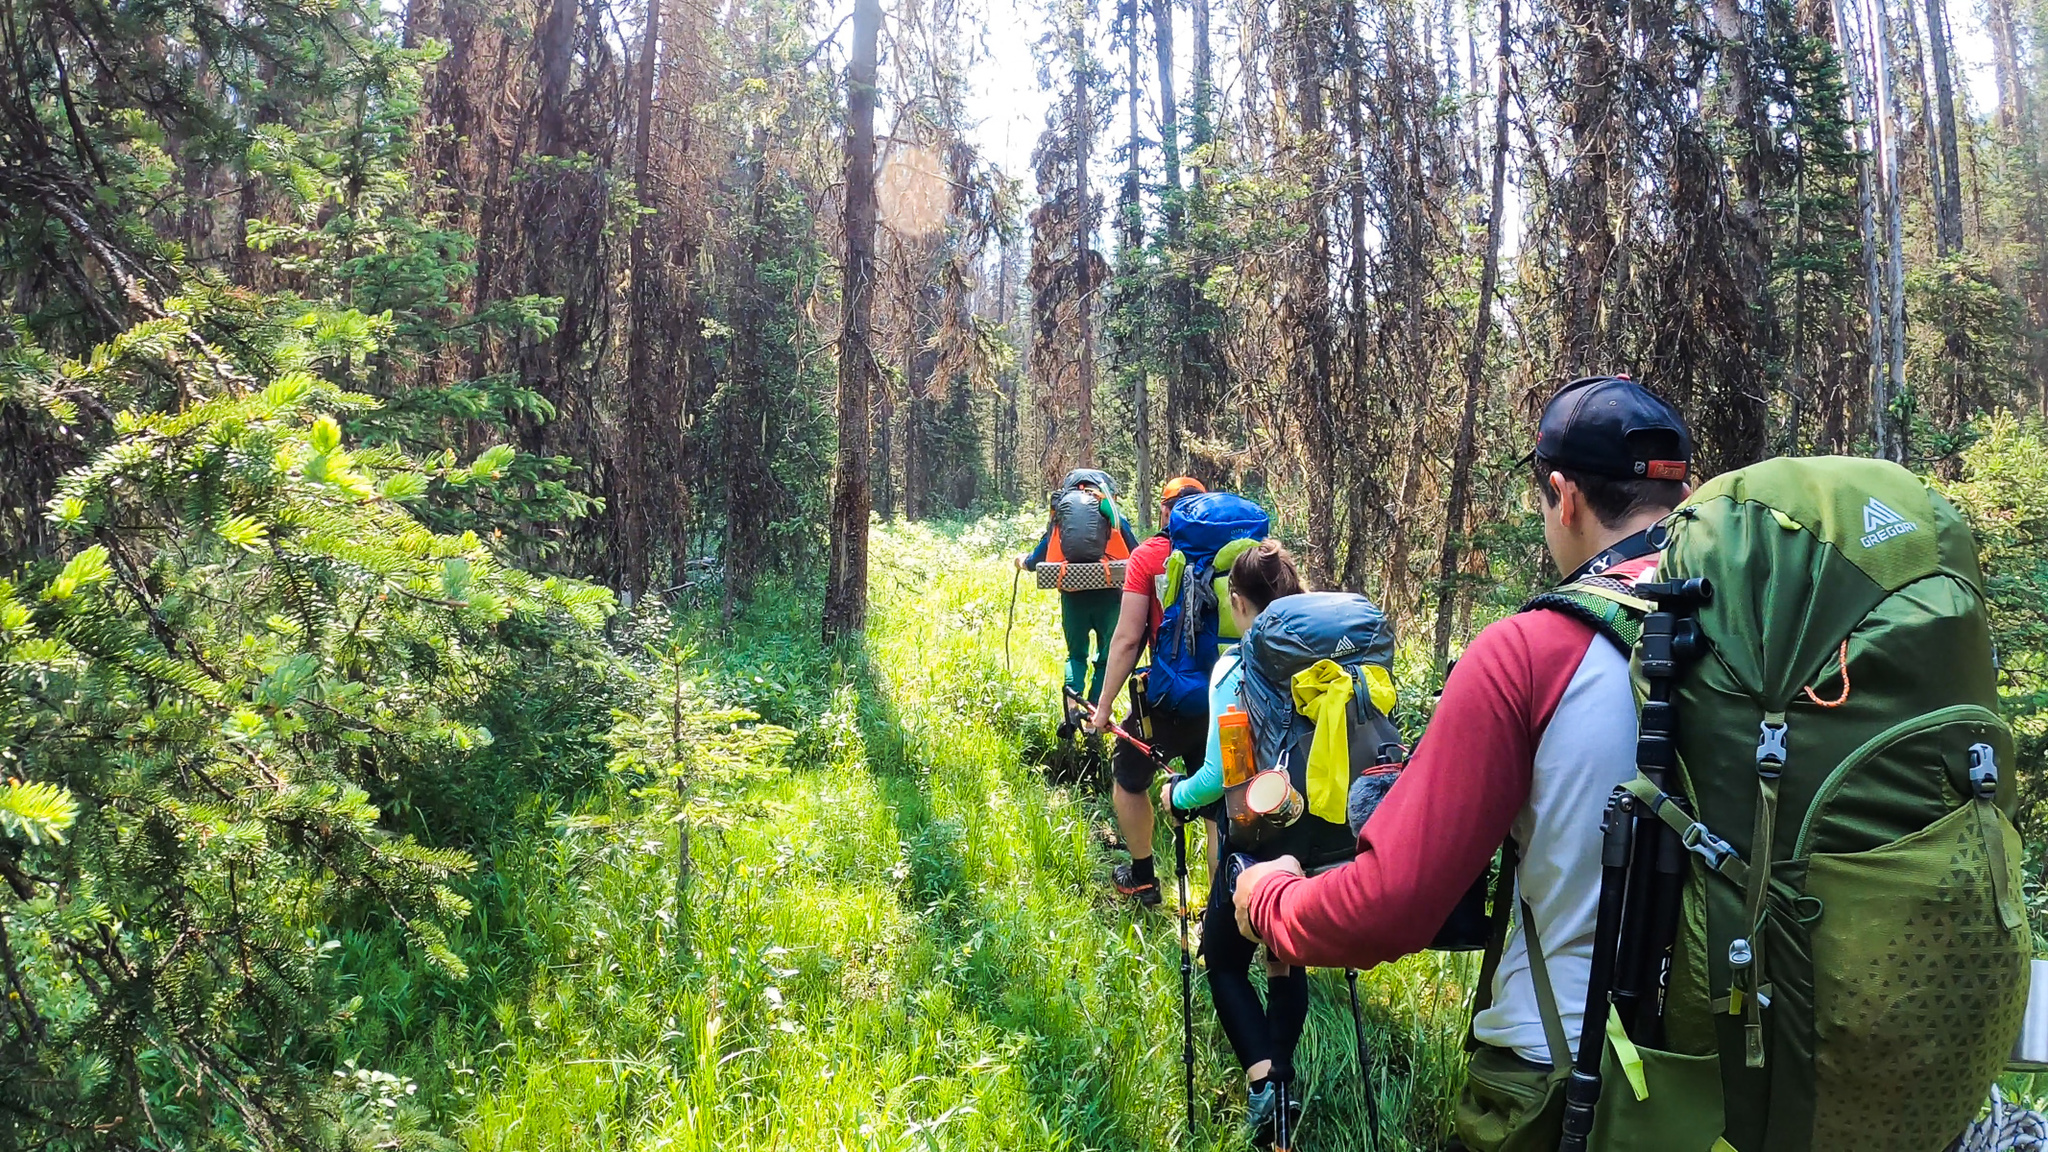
[[1174, 735]]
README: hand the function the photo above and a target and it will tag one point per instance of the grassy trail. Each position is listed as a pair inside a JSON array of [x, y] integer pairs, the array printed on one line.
[[903, 939]]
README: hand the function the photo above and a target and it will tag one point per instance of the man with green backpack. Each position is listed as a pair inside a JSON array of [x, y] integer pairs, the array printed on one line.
[[1779, 908]]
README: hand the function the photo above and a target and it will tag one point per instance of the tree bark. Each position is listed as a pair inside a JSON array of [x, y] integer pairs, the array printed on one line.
[[2005, 64], [1589, 234], [1307, 296], [1084, 233], [1743, 420], [1850, 40], [846, 588], [1178, 291], [1458, 501], [1134, 261], [635, 486], [1895, 275], [557, 47], [1949, 221]]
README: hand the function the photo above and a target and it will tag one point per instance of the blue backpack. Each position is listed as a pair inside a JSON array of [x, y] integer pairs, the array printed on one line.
[[1208, 531]]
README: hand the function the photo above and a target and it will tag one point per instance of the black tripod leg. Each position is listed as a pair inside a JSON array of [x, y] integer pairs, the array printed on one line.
[[1365, 1076], [1582, 1091], [1666, 899]]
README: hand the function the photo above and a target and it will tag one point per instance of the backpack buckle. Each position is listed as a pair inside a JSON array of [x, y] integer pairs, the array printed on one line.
[[1983, 771], [1770, 747], [1700, 840]]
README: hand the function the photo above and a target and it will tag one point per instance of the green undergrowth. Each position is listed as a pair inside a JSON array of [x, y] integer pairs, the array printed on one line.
[[896, 934]]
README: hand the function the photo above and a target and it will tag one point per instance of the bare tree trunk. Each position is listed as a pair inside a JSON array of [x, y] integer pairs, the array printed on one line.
[[1009, 444], [2005, 63], [634, 531], [1459, 499], [1307, 296], [1134, 262], [1589, 234], [1949, 221], [1084, 235], [1895, 276], [1739, 392], [846, 589], [557, 47], [1179, 293], [1868, 143]]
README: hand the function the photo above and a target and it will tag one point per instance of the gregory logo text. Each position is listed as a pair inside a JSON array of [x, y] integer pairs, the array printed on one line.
[[1880, 523]]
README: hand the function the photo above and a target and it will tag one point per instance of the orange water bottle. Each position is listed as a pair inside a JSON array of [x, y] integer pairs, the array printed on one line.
[[1234, 733]]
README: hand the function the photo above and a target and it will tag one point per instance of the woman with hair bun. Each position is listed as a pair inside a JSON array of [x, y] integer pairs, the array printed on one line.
[[1263, 1036]]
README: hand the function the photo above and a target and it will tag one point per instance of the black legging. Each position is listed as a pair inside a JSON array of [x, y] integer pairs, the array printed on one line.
[[1257, 1031]]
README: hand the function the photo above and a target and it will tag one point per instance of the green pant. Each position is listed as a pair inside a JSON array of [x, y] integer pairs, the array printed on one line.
[[1083, 613]]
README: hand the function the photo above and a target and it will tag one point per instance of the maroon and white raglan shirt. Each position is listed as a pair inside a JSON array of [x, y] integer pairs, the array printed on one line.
[[1536, 727]]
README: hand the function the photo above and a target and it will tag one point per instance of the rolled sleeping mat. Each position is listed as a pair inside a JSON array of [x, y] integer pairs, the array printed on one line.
[[1074, 576]]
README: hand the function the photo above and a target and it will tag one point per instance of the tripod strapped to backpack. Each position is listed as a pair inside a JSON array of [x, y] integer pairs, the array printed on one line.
[[1642, 863]]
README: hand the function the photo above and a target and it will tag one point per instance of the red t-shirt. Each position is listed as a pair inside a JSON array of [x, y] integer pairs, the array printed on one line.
[[1142, 575], [1470, 777]]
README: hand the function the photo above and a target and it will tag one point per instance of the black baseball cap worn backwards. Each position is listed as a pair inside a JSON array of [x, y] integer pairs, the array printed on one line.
[[1612, 426]]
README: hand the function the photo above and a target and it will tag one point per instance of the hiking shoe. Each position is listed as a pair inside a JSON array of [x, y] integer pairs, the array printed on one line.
[[1258, 1114], [1261, 1110], [1144, 892]]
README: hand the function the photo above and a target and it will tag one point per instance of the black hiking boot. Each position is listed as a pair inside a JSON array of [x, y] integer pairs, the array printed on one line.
[[1145, 892]]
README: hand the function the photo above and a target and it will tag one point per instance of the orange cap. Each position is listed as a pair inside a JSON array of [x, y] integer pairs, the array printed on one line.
[[1178, 487]]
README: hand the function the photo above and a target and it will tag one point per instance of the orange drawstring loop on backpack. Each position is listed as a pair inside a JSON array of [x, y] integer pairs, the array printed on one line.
[[1842, 660]]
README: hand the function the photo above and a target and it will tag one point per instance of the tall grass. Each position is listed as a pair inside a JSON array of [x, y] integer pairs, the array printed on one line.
[[903, 941]]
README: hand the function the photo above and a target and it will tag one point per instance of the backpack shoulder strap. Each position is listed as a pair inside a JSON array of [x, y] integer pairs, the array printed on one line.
[[1504, 902], [1496, 938], [1602, 603]]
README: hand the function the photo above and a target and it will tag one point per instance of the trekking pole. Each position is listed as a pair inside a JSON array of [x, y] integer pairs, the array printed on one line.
[[1015, 579], [1365, 1077], [1187, 972], [1283, 1139], [1582, 1090]]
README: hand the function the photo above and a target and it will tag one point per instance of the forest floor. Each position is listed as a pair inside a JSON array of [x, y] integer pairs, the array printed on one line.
[[900, 938]]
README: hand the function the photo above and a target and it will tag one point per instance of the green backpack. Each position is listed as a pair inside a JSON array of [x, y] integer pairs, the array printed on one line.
[[1845, 710]]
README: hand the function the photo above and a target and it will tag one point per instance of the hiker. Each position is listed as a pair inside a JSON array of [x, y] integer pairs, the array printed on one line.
[[1263, 1037], [1085, 528], [1176, 719], [1535, 728], [1784, 903]]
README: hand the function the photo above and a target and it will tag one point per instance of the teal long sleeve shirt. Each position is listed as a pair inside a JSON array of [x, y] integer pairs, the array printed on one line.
[[1205, 787]]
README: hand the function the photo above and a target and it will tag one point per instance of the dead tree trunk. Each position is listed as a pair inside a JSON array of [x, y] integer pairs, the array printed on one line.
[[1307, 296], [1949, 218], [1863, 117], [1460, 496], [846, 588], [1177, 289], [633, 527], [1084, 233], [1134, 357], [1589, 234], [1895, 274]]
